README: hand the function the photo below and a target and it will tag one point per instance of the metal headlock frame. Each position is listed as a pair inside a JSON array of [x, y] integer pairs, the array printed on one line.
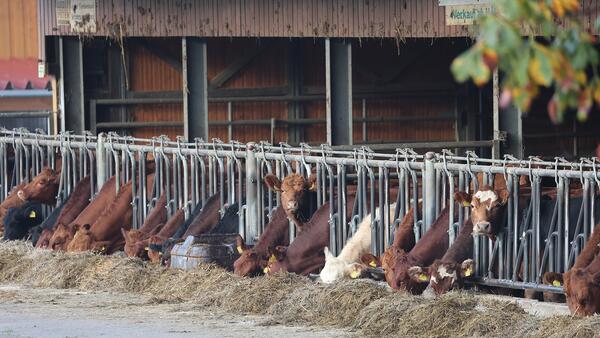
[[189, 173]]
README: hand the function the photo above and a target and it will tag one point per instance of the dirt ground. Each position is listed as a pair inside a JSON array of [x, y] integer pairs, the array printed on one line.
[[35, 312]]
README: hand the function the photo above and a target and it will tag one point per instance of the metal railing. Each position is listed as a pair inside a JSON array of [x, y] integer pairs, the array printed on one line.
[[188, 173]]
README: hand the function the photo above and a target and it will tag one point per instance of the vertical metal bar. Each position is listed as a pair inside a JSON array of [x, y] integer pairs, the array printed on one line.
[[338, 78], [496, 115], [251, 203], [364, 123], [229, 120], [429, 204], [195, 88], [101, 161]]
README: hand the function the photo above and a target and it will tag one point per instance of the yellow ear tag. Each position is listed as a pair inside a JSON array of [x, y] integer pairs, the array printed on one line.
[[354, 274], [266, 270], [556, 283], [240, 250], [373, 264], [32, 214], [466, 204], [146, 248], [102, 249], [423, 277], [272, 259], [468, 272]]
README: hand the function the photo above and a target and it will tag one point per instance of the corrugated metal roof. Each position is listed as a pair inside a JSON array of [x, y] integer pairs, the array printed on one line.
[[274, 18]]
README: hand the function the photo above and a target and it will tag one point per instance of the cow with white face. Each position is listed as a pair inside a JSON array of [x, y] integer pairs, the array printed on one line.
[[487, 210]]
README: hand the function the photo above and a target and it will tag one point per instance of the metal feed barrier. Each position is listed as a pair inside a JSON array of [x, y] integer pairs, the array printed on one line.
[[189, 173]]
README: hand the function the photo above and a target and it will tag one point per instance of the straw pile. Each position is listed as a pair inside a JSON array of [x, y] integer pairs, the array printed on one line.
[[368, 308]]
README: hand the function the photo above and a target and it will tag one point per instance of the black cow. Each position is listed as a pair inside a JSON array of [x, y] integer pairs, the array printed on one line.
[[19, 221]]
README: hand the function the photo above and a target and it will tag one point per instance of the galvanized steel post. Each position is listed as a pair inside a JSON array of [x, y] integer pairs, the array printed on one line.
[[101, 161], [251, 231], [429, 203]]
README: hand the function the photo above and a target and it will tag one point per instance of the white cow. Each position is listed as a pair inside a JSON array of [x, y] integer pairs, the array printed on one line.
[[347, 264]]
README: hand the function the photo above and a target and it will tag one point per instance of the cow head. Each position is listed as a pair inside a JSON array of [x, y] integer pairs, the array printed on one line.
[[336, 268], [135, 245], [155, 255], [487, 207], [44, 239], [294, 195], [43, 188], [582, 289], [61, 237], [84, 240], [276, 258], [443, 276], [249, 263], [554, 279]]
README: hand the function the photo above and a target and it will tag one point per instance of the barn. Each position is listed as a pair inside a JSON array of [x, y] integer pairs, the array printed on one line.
[[338, 71]]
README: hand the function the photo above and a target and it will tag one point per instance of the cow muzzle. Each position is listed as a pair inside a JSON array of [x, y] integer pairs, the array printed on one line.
[[292, 206], [482, 228]]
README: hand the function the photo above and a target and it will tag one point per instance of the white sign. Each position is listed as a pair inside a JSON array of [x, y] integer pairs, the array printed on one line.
[[63, 12], [41, 69], [465, 14], [83, 16]]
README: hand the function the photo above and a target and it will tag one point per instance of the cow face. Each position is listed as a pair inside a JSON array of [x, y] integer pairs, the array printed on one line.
[[249, 263], [155, 256], [135, 246], [61, 237], [336, 269], [294, 194], [582, 288], [487, 207], [44, 239], [400, 276], [443, 276], [43, 188], [83, 240]]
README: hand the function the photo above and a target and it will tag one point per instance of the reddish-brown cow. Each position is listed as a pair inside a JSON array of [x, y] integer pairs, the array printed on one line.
[[296, 197], [104, 234], [404, 239], [449, 271], [581, 283], [136, 240], [431, 246], [64, 232], [305, 254], [77, 202], [253, 260], [43, 188], [167, 231]]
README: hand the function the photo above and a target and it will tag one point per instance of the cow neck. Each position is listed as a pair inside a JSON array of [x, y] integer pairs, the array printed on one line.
[[590, 251], [462, 247], [594, 265], [435, 241], [157, 215], [276, 233], [305, 212], [404, 236]]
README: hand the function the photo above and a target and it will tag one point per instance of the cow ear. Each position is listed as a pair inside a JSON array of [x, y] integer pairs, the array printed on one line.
[[22, 195], [355, 270], [463, 198], [328, 255], [240, 245], [277, 253], [553, 278], [502, 196], [125, 235], [312, 183], [370, 260], [418, 274], [466, 268], [272, 182]]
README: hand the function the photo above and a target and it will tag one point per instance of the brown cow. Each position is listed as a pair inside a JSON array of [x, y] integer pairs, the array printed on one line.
[[104, 234], [64, 232], [167, 231], [305, 254], [296, 196], [430, 247], [77, 202], [136, 240], [253, 260], [43, 188], [581, 283], [404, 239], [456, 264]]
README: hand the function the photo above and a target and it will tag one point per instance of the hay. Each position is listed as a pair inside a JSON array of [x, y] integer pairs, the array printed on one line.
[[368, 308], [337, 305]]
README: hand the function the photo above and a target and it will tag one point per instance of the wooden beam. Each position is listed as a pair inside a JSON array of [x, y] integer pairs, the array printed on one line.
[[220, 79]]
